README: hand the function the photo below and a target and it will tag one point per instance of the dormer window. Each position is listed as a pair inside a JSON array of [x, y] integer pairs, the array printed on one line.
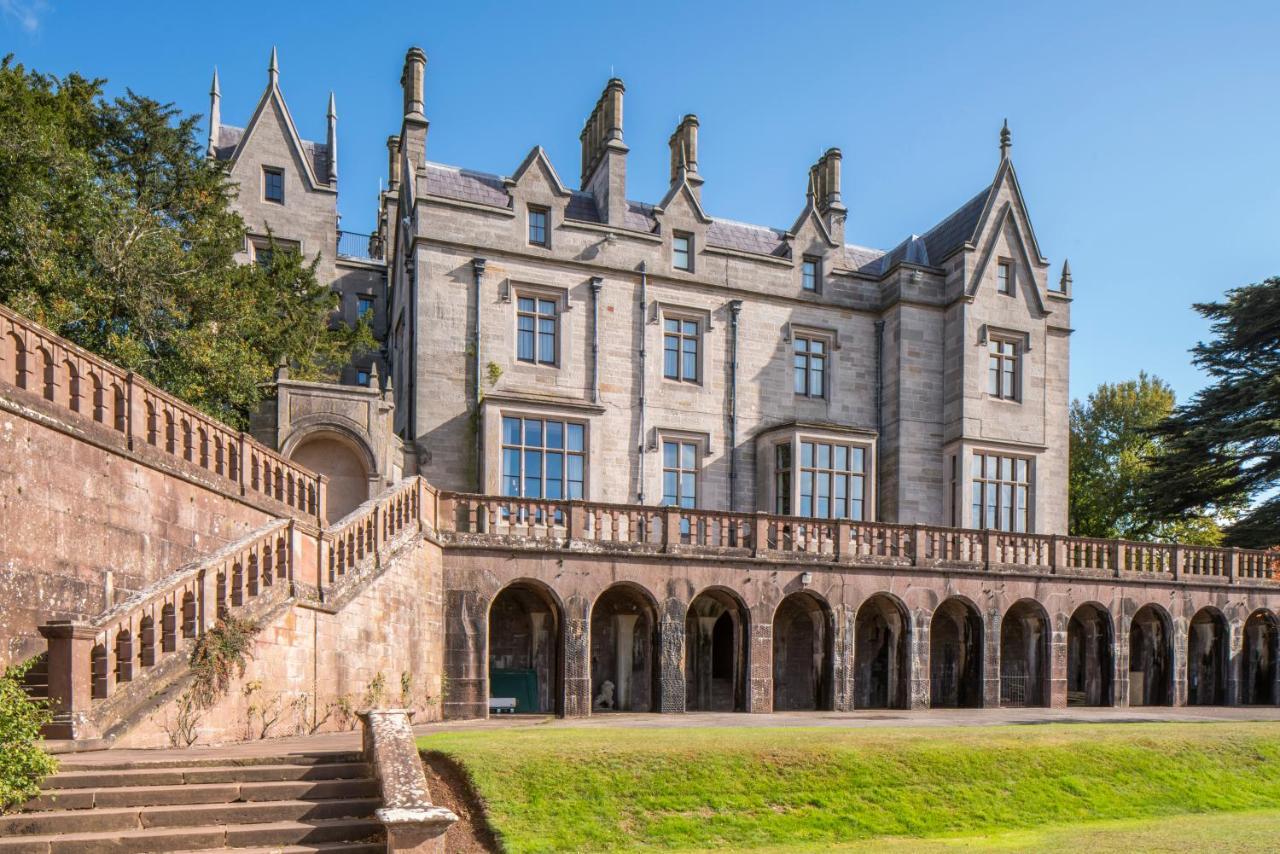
[[682, 251], [273, 184], [1004, 278], [537, 226], [810, 273]]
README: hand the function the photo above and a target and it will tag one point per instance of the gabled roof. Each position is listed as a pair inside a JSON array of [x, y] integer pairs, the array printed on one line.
[[683, 188], [744, 237], [957, 229], [315, 156], [537, 155], [467, 186]]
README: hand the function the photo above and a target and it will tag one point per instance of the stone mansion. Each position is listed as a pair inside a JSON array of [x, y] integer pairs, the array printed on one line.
[[558, 341]]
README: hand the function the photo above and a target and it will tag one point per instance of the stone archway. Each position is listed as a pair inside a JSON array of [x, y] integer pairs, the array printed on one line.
[[1090, 657], [1025, 639], [1260, 660], [1151, 657], [803, 660], [716, 653], [1207, 659], [526, 626], [882, 656], [342, 459], [624, 651], [955, 656]]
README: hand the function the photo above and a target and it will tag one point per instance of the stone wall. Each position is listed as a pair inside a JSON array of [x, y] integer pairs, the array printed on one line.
[[313, 666]]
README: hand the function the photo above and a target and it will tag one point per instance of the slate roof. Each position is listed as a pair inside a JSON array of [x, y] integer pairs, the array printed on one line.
[[465, 185], [317, 153], [956, 230], [744, 237]]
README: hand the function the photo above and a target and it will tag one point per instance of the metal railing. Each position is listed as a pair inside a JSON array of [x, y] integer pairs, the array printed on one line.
[[362, 247]]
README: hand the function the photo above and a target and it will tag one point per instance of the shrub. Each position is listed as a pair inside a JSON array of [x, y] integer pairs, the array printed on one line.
[[23, 762], [220, 655]]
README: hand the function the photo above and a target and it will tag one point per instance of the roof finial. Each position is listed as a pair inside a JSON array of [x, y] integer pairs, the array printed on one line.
[[333, 107], [215, 90], [1064, 284], [273, 70], [1005, 141]]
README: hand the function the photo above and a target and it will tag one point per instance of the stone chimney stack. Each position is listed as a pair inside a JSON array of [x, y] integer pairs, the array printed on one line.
[[824, 185], [215, 115], [414, 131], [393, 164], [331, 140], [604, 154], [684, 154]]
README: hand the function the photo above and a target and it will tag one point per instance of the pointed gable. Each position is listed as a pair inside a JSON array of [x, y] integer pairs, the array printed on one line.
[[682, 195], [314, 157], [537, 166]]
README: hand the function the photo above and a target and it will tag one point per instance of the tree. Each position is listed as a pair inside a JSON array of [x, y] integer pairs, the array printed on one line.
[[118, 233], [1112, 450], [1222, 448]]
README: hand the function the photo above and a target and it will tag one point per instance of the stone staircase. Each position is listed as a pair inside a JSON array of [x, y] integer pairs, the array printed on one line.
[[318, 802]]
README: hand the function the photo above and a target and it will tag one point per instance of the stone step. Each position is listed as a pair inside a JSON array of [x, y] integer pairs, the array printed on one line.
[[165, 759], [200, 793], [377, 846], [336, 835], [101, 778], [100, 820]]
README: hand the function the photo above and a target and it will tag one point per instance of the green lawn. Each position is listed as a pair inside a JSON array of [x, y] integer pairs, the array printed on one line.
[[1013, 788]]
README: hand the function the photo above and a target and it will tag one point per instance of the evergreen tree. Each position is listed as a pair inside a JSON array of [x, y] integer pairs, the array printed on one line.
[[1112, 450], [1222, 448], [117, 233]]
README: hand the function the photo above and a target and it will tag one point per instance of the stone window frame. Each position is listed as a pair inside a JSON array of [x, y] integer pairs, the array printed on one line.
[[259, 243], [371, 299], [805, 262], [701, 443], [689, 253], [663, 311], [985, 483], [545, 210], [272, 171], [1009, 279], [793, 436], [560, 296], [830, 338], [535, 414], [1017, 342]]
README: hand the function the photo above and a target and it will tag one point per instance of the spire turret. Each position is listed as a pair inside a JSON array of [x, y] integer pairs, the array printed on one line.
[[273, 69], [1006, 141], [215, 114], [332, 140]]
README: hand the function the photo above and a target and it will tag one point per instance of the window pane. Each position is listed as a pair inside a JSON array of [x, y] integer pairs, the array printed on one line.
[[806, 454], [992, 462], [858, 460], [806, 493], [575, 437], [671, 360], [817, 384], [690, 364], [977, 504], [782, 455], [688, 456], [511, 431], [533, 432], [671, 325], [977, 465], [525, 304], [993, 377], [575, 468], [802, 375], [841, 461], [547, 348], [1022, 471], [511, 463], [546, 306], [555, 467], [670, 454], [824, 456], [1006, 507], [669, 487], [839, 495], [818, 347], [1006, 468], [688, 489], [555, 434]]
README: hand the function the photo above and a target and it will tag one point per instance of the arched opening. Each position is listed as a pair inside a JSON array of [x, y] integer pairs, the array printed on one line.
[[189, 610], [1024, 655], [1150, 658], [336, 457], [716, 653], [525, 638], [98, 671], [168, 628], [1259, 665], [881, 657], [624, 651], [147, 642], [124, 656], [803, 660], [1090, 664], [955, 656], [1207, 659]]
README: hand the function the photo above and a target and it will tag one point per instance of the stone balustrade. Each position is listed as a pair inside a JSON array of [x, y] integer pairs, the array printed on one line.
[[581, 525], [75, 381]]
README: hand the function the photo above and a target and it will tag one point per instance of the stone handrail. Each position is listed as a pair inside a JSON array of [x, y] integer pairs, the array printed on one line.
[[413, 823], [626, 527], [364, 534], [37, 361], [90, 663]]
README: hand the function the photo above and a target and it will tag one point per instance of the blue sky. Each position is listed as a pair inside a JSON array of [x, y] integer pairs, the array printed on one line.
[[1145, 134]]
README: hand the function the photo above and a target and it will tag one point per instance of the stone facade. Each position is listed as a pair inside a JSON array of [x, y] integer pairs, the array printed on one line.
[[905, 336]]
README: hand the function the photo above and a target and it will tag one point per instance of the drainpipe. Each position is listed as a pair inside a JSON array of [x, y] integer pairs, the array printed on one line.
[[596, 284], [644, 371], [879, 376], [735, 308], [477, 266]]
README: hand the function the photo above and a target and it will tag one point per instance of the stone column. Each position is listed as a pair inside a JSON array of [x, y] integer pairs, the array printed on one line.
[[466, 643], [1178, 662], [671, 687], [577, 658], [843, 628], [1235, 662], [70, 679], [1057, 665], [701, 664], [918, 652], [1120, 666], [624, 636], [991, 661], [760, 667]]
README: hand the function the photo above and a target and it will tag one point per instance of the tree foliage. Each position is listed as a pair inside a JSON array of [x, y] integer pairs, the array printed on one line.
[[23, 762], [1223, 446], [1112, 451], [117, 233]]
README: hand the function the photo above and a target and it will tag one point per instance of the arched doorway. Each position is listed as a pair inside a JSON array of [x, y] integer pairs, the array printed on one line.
[[716, 653], [955, 656], [345, 464], [1207, 659], [1259, 665], [803, 670], [1151, 658], [1024, 655], [624, 651], [881, 654], [1090, 662], [525, 639]]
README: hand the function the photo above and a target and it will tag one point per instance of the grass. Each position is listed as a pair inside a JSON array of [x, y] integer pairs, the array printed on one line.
[[796, 789]]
